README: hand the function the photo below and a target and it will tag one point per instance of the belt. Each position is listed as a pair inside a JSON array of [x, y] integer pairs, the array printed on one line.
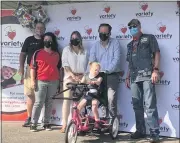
[[78, 74]]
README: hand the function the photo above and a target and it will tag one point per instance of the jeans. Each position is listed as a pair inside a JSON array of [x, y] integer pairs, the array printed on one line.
[[144, 92], [43, 96]]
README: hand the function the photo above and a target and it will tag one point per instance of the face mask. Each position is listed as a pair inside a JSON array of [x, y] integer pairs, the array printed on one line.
[[103, 36], [75, 42], [47, 44], [134, 31]]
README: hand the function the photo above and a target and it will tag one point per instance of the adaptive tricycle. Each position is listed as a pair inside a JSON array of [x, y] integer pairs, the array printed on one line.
[[85, 123]]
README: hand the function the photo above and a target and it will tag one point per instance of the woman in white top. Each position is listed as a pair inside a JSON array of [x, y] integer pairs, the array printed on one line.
[[74, 62]]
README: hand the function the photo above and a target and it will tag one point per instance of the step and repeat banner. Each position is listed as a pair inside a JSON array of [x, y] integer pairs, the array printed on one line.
[[158, 18]]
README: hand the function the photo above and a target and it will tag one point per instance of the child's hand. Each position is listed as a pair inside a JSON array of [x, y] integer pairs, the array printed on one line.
[[92, 82]]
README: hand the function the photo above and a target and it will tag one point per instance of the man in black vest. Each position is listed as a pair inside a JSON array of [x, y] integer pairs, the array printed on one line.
[[143, 56]]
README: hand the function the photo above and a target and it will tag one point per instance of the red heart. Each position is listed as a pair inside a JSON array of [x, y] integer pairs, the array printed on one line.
[[121, 73], [89, 31], [123, 30], [162, 28], [107, 9], [73, 11], [160, 121], [144, 7], [57, 32], [178, 99], [53, 111], [161, 74], [11, 35], [27, 16]]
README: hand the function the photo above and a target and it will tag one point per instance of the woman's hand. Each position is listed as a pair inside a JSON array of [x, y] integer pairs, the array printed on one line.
[[127, 82], [155, 77]]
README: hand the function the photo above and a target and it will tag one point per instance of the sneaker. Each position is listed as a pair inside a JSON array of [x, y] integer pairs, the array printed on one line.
[[137, 135], [27, 122], [154, 138], [47, 127], [33, 128]]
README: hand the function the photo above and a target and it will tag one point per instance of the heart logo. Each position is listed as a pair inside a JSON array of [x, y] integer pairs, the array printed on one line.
[[11, 34], [88, 31], [107, 9], [121, 73], [53, 112], [73, 11], [162, 28], [160, 120], [143, 6], [56, 32], [178, 99], [123, 30], [161, 74]]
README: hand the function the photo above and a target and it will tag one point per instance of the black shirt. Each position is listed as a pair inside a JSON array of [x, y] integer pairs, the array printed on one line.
[[31, 44]]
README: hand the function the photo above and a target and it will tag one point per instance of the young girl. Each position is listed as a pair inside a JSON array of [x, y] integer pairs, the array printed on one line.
[[92, 95]]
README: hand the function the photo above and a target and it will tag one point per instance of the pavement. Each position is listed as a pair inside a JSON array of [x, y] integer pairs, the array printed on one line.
[[13, 132]]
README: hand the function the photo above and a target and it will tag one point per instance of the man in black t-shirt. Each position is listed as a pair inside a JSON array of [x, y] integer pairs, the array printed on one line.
[[31, 44]]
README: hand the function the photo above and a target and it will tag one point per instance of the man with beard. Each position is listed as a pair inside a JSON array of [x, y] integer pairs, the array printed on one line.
[[31, 44]]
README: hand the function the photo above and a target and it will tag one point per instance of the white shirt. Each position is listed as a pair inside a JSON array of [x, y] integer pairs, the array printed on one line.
[[77, 62]]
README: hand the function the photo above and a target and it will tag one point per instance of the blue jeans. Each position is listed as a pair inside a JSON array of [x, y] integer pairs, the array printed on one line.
[[43, 96], [143, 95]]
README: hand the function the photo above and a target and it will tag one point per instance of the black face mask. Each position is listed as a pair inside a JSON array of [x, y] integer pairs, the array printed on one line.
[[103, 36], [48, 44], [75, 42]]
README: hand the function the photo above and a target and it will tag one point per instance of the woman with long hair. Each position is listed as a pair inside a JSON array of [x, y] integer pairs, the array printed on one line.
[[74, 62], [45, 69]]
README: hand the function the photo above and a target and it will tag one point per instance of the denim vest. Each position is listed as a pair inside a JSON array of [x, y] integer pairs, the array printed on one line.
[[141, 61]]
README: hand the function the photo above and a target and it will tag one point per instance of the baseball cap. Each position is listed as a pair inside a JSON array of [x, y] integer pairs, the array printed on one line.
[[135, 22]]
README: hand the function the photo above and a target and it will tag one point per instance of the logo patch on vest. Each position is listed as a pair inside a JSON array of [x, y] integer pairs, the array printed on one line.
[[144, 40]]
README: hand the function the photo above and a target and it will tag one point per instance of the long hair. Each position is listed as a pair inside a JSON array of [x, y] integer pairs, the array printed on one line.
[[54, 47], [81, 48]]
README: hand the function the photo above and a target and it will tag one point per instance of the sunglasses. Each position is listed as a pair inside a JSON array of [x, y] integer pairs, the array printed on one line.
[[133, 26]]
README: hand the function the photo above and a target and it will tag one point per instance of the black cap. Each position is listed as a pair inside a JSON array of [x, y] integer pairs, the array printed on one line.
[[135, 22]]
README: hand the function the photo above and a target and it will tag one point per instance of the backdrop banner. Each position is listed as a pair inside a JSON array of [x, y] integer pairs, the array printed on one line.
[[157, 18]]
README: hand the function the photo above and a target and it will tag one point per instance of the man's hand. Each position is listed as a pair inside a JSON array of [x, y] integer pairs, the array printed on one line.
[[127, 82], [33, 84], [21, 71], [155, 77]]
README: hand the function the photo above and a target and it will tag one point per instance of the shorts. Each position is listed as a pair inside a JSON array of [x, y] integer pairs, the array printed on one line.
[[28, 90], [90, 96]]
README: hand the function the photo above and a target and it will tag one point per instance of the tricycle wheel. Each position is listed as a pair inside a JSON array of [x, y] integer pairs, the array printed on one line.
[[71, 133], [114, 128]]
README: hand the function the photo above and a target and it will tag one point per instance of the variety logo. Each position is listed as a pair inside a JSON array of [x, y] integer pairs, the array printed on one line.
[[162, 81], [57, 33], [162, 28], [73, 16], [176, 59], [176, 106], [54, 116], [122, 123], [107, 15], [11, 34], [89, 35], [122, 79], [162, 128], [123, 36], [144, 7], [178, 8]]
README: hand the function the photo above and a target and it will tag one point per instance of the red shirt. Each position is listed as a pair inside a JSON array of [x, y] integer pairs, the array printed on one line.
[[46, 65]]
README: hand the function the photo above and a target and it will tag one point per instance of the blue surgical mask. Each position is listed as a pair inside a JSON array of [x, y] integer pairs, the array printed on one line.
[[134, 31]]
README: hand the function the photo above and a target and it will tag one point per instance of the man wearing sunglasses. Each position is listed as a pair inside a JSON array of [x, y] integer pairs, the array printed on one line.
[[143, 56], [107, 53]]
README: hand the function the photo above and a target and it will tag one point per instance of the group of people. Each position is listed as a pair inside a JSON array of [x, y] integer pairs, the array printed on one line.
[[45, 64]]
